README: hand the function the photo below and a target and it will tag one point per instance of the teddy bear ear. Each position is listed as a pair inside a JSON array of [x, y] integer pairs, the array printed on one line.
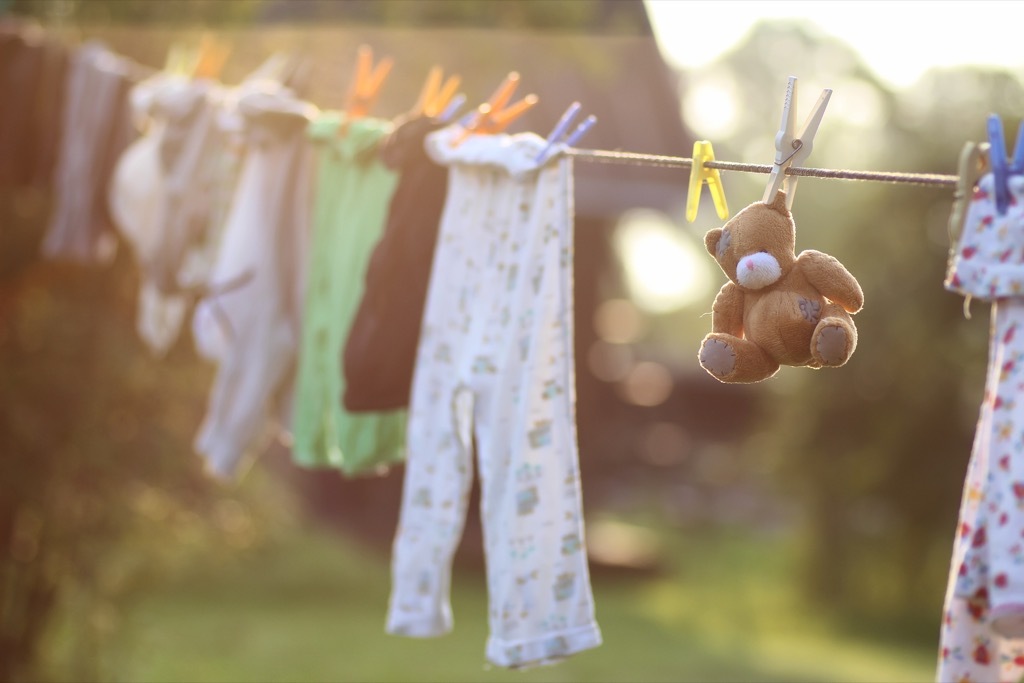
[[779, 203], [711, 240]]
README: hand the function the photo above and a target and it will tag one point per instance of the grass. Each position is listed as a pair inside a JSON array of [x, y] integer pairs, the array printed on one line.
[[311, 608]]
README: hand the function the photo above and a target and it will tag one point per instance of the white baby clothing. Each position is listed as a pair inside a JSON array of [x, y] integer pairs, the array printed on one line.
[[171, 190], [160, 195], [252, 327], [495, 369], [982, 634]]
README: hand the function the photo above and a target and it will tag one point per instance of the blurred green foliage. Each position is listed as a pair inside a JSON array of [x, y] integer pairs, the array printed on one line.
[[98, 485], [606, 16], [174, 12], [874, 454], [309, 608]]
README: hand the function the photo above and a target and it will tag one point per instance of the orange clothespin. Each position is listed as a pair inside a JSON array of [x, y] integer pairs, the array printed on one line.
[[699, 174], [434, 97], [211, 58], [493, 116], [365, 88]]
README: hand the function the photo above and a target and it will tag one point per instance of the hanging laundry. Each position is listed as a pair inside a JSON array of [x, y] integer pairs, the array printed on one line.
[[33, 67], [495, 368], [162, 195], [172, 188], [380, 351], [982, 635], [250, 321], [352, 195], [96, 128]]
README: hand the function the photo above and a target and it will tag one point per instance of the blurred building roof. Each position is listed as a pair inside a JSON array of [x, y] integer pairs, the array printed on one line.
[[590, 16], [620, 79], [599, 52], [609, 62]]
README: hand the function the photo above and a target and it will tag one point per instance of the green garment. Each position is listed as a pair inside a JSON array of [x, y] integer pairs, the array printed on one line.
[[353, 190]]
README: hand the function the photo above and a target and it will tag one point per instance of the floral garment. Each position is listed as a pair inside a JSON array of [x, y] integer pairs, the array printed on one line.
[[982, 634]]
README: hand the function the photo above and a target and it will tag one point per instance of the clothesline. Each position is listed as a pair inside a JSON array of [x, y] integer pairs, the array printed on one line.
[[639, 159]]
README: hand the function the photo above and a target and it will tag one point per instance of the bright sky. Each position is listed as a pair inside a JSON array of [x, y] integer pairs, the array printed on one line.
[[898, 39]]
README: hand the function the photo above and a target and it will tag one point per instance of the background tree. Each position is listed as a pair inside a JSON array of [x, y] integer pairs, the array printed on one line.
[[875, 452]]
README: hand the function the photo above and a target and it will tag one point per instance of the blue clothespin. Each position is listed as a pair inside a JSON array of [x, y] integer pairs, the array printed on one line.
[[559, 130], [581, 130], [1002, 168], [558, 133], [1017, 165], [453, 107], [998, 162]]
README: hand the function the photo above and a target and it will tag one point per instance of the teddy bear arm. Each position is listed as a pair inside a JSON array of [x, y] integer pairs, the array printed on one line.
[[832, 279], [727, 311]]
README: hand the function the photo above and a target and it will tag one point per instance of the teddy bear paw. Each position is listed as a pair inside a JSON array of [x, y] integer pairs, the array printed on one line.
[[832, 345], [717, 357]]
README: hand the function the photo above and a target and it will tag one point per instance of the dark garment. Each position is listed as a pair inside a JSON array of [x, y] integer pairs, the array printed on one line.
[[380, 352], [95, 128], [32, 72]]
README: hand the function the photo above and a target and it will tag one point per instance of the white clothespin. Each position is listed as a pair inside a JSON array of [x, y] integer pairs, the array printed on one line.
[[790, 150]]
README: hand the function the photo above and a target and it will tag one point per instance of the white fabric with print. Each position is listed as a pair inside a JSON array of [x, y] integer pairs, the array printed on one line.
[[989, 259], [495, 364], [982, 634]]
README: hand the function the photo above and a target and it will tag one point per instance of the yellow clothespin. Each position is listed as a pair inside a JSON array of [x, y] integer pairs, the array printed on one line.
[[972, 165], [790, 149], [434, 97], [273, 67], [365, 88], [177, 63], [211, 58], [699, 174], [493, 116]]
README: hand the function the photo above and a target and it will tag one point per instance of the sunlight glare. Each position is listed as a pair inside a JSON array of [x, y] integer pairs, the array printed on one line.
[[693, 34], [857, 103], [710, 107], [664, 269]]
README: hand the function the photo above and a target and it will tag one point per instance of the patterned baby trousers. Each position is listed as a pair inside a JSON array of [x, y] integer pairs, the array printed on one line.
[[495, 368]]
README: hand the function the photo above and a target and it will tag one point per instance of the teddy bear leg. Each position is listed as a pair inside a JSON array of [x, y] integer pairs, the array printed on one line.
[[834, 338], [734, 360]]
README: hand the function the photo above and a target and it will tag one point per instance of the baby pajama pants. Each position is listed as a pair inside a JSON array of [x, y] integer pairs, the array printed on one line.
[[495, 362]]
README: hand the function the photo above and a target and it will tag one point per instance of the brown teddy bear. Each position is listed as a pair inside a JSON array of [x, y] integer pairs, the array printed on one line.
[[778, 308]]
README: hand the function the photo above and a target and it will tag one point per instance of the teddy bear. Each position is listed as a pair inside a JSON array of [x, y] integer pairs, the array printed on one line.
[[778, 308]]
